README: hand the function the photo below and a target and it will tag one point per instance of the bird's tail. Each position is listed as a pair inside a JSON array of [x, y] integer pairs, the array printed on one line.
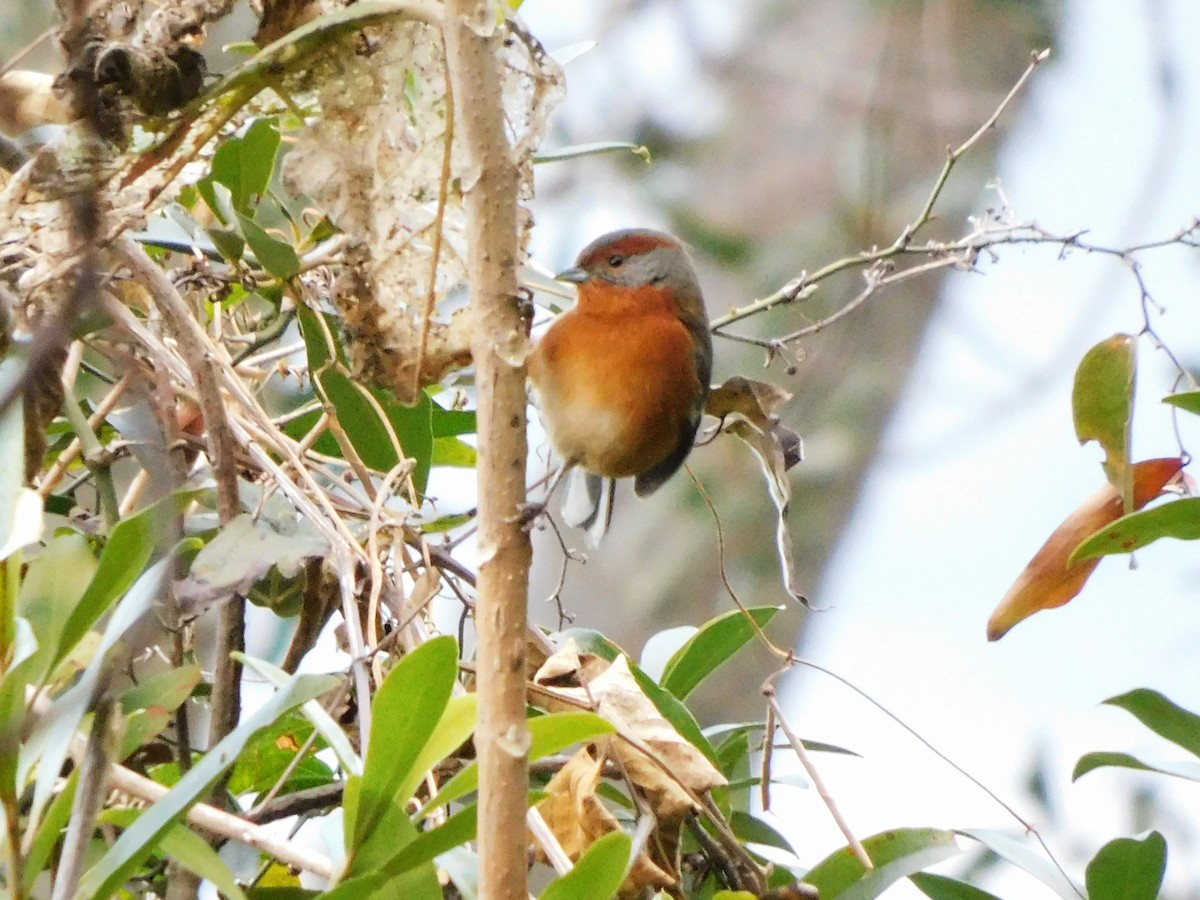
[[589, 503]]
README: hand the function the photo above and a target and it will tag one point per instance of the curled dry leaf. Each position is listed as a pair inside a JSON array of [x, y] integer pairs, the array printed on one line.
[[757, 401], [748, 409], [676, 768], [1048, 581], [578, 819]]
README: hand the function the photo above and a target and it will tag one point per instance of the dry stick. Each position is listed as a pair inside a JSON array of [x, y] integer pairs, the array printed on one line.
[[768, 753], [310, 500], [69, 455], [548, 841], [860, 851], [443, 191], [794, 660], [222, 824], [377, 575], [804, 284], [90, 793], [774, 711], [502, 737], [201, 355], [207, 818]]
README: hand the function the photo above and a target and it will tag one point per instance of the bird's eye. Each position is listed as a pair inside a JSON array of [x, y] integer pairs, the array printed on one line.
[[615, 260]]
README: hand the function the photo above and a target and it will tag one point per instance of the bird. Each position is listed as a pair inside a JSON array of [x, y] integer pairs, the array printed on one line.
[[622, 378]]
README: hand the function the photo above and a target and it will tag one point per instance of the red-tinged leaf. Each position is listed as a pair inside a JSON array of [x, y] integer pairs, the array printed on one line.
[[1178, 519], [1102, 401], [1050, 580]]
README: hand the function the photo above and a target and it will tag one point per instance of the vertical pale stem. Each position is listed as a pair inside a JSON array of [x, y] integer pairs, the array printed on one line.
[[502, 739]]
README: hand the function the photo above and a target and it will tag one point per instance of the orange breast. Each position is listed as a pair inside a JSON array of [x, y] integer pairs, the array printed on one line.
[[615, 391]]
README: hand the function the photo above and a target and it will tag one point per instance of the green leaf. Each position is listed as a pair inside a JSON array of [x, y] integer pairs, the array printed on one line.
[[1089, 762], [367, 432], [710, 647], [418, 883], [1102, 402], [414, 427], [50, 739], [167, 689], [896, 854], [1161, 716], [754, 830], [404, 714], [188, 849], [259, 150], [274, 254], [269, 755], [51, 829], [132, 544], [454, 832], [243, 165], [673, 710], [450, 451], [228, 242], [548, 734], [1188, 401], [114, 868], [451, 422], [598, 874], [1128, 869], [316, 346], [1176, 519], [334, 735], [53, 586], [939, 887], [1022, 854]]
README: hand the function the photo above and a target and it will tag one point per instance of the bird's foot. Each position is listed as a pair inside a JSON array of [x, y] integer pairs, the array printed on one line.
[[528, 513]]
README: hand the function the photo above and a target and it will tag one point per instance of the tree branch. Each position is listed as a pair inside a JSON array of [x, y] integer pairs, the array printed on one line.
[[499, 347], [196, 348]]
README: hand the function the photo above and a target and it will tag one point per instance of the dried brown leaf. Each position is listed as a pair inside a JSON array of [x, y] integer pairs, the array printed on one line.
[[676, 767], [578, 818]]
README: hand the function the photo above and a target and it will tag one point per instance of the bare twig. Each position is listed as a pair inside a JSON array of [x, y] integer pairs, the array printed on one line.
[[768, 690], [90, 791], [202, 356], [438, 222], [940, 755], [805, 284]]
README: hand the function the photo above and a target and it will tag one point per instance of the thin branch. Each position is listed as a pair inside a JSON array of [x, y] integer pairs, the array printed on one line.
[[805, 284], [768, 690], [90, 792], [940, 755], [438, 222], [201, 356]]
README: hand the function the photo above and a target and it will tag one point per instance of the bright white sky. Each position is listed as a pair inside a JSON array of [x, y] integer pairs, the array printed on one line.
[[981, 463]]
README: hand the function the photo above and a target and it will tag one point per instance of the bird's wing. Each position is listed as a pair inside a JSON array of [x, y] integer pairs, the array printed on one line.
[[654, 478]]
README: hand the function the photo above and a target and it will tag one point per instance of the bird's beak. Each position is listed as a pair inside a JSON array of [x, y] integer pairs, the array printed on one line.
[[573, 275]]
